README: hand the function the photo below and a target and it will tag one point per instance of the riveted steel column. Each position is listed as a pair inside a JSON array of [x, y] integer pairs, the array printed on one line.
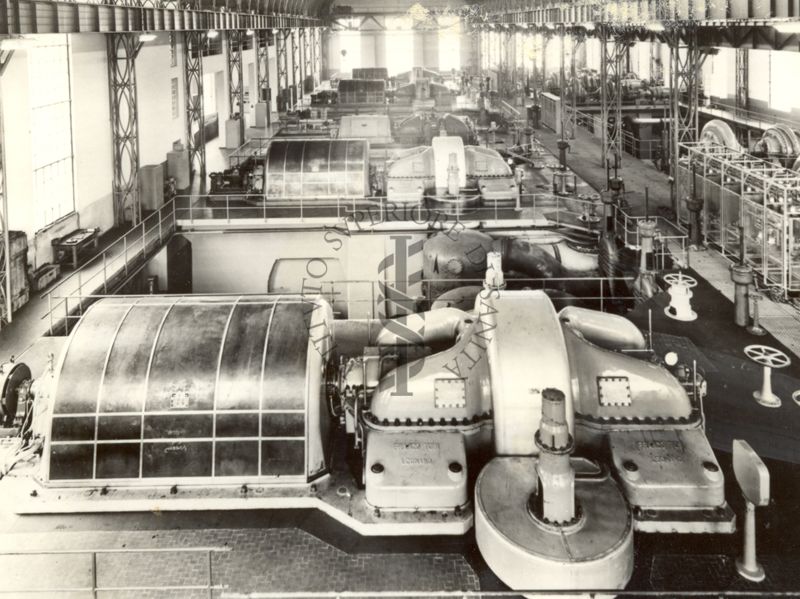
[[262, 71], [612, 51], [301, 61], [572, 115], [562, 79], [317, 56], [295, 48], [686, 62], [742, 76], [193, 42], [308, 60], [283, 68], [5, 253], [122, 49], [236, 79]]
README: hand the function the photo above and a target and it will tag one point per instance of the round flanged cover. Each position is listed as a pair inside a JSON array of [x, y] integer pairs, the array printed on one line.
[[597, 554]]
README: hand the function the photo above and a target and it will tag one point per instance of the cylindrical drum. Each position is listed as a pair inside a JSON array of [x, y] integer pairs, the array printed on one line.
[[317, 168], [219, 389]]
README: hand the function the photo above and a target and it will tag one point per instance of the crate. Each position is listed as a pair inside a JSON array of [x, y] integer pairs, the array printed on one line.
[[43, 276]]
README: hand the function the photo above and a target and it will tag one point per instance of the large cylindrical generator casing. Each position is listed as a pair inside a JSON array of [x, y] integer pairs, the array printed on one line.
[[191, 390], [362, 91], [317, 168]]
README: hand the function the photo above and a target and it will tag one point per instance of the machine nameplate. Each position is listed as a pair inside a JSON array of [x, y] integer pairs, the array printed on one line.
[[417, 454], [613, 391], [449, 393], [179, 401]]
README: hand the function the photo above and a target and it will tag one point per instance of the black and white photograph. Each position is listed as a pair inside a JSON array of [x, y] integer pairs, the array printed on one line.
[[398, 299]]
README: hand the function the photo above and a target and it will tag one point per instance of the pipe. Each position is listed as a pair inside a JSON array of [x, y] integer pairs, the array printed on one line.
[[426, 328], [553, 259], [608, 331], [555, 500]]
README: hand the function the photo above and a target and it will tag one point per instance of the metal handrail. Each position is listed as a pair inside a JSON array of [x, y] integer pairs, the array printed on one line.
[[116, 258], [95, 589], [379, 209], [559, 211]]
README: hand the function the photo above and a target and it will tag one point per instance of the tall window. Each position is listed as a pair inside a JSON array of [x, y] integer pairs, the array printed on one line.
[[51, 130], [449, 43], [783, 88], [399, 45]]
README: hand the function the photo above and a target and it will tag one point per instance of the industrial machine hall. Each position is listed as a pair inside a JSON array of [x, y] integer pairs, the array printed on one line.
[[399, 299]]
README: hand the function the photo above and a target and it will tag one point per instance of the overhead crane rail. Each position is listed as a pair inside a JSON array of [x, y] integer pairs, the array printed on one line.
[[19, 17], [735, 23]]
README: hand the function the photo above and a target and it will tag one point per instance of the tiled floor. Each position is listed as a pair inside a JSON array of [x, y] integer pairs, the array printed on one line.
[[272, 560]]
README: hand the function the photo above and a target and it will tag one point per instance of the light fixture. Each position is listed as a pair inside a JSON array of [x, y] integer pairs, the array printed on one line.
[[250, 32], [787, 27], [655, 26], [212, 33], [147, 37]]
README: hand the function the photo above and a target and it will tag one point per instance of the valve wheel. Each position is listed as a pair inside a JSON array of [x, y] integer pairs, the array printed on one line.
[[767, 356], [678, 278]]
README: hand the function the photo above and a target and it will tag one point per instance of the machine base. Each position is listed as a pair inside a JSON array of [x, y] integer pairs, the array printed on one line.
[[721, 520], [768, 401], [756, 575], [334, 494]]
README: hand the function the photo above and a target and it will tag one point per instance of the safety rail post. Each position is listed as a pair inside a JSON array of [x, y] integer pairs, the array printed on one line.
[[144, 242], [210, 578], [227, 208], [601, 295], [160, 220], [105, 275], [94, 574], [125, 252], [50, 310]]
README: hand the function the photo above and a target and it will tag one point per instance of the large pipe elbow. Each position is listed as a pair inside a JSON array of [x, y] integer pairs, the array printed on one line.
[[426, 328], [545, 260], [608, 331]]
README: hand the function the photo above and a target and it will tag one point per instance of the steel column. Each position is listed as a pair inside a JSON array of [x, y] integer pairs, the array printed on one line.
[[236, 79], [314, 56], [5, 253], [742, 76], [283, 69], [686, 62], [295, 65], [262, 71], [612, 52], [301, 60], [193, 42], [562, 79], [569, 119], [656, 66], [308, 59], [122, 49]]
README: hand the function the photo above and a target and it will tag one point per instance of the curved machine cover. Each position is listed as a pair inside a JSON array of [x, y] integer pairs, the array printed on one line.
[[191, 388]]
